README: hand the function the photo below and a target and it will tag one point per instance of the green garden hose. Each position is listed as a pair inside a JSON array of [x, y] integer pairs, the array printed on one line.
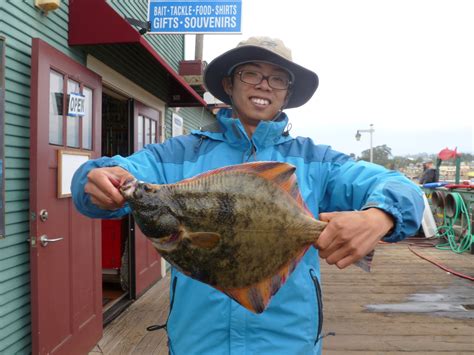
[[466, 240]]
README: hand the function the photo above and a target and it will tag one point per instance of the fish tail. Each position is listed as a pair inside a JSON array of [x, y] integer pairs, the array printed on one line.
[[366, 262]]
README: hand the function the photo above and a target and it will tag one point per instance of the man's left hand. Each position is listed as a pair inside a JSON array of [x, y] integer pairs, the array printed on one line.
[[349, 236]]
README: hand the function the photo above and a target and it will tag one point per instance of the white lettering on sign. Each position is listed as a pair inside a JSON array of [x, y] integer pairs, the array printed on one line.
[[166, 22], [195, 16], [225, 10], [160, 11], [210, 22], [181, 10], [76, 104]]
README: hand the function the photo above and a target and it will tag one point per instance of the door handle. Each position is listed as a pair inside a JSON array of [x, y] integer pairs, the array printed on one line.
[[44, 240]]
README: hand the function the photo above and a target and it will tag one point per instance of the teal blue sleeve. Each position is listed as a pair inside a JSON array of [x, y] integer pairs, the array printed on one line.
[[156, 164], [361, 185]]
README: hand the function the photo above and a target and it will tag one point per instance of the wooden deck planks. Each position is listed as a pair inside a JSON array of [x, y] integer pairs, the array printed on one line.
[[397, 274], [127, 333]]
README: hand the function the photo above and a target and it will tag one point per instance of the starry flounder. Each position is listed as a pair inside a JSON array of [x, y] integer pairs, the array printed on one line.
[[241, 229]]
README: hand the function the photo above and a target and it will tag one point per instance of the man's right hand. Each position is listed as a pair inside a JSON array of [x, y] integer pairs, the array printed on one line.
[[102, 186]]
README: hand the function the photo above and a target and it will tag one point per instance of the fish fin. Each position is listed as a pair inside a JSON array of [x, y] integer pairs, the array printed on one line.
[[270, 170], [206, 240], [256, 298], [366, 262], [281, 174]]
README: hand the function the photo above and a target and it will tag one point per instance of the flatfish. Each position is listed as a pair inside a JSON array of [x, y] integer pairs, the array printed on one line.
[[241, 229]]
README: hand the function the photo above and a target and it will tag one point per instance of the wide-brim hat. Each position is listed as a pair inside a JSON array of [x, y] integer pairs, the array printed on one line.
[[261, 49]]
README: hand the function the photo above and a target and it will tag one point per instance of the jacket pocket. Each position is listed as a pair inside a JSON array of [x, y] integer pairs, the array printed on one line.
[[319, 299], [165, 325]]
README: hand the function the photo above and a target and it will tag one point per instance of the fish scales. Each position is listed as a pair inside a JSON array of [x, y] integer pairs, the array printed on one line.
[[236, 262]]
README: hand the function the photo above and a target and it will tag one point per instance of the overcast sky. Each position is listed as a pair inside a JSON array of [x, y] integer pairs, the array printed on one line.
[[406, 66]]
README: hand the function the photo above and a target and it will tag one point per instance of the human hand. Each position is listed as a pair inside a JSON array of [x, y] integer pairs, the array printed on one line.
[[102, 186], [349, 236]]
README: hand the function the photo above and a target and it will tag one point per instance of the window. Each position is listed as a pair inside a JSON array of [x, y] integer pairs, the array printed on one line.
[[56, 104], [87, 120], [73, 121], [140, 132], [147, 132], [78, 121]]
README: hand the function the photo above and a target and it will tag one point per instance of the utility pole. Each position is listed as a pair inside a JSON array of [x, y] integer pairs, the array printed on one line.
[[371, 131], [198, 47]]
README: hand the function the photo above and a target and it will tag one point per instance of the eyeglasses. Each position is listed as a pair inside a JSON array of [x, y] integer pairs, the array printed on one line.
[[276, 82]]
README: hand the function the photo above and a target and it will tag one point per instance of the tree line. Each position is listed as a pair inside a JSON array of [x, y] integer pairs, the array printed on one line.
[[383, 156]]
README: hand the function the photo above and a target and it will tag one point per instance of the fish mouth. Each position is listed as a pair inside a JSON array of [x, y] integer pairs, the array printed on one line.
[[167, 243], [128, 187]]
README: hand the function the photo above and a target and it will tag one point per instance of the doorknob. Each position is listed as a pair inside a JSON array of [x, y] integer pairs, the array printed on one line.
[[44, 240]]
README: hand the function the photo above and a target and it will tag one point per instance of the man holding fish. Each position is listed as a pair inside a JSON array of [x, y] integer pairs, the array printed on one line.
[[247, 230]]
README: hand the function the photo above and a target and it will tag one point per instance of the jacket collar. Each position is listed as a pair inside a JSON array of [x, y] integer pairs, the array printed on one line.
[[232, 131]]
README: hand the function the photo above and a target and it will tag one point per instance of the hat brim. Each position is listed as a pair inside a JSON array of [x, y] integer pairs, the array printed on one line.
[[305, 81]]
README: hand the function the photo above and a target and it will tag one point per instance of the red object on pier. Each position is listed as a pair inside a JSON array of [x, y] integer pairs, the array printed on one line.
[[447, 154]]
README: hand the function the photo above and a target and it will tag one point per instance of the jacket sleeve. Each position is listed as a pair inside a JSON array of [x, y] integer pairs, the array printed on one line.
[[156, 163], [360, 185], [430, 175], [424, 177]]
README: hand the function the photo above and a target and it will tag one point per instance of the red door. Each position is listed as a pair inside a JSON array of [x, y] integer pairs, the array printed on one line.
[[147, 129], [66, 276]]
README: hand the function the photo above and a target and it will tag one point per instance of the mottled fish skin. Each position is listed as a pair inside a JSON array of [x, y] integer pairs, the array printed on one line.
[[262, 229]]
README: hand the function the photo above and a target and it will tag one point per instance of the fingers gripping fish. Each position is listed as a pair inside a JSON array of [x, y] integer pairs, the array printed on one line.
[[241, 229]]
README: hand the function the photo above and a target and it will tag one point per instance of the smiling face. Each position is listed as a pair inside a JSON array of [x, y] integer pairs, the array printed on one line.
[[255, 103]]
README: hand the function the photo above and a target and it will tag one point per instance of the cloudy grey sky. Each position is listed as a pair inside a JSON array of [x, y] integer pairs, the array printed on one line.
[[407, 66]]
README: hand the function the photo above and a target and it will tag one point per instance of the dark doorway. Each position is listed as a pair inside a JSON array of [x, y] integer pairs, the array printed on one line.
[[116, 238]]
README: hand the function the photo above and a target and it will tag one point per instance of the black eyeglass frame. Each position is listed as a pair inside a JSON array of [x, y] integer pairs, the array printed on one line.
[[264, 77]]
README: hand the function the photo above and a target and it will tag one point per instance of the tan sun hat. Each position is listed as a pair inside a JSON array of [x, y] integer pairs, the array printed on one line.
[[261, 49]]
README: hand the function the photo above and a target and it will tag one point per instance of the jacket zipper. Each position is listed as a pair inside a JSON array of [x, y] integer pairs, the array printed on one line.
[[253, 152], [319, 299]]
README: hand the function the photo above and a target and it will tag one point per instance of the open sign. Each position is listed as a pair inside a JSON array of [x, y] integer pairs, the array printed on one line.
[[76, 105]]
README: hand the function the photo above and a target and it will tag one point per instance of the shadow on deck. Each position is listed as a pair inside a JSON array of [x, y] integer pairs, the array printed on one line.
[[405, 305]]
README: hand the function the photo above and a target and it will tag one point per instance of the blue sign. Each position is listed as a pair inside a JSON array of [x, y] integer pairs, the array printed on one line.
[[186, 16]]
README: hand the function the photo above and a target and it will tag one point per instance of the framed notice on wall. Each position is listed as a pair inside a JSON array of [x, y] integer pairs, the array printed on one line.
[[68, 162]]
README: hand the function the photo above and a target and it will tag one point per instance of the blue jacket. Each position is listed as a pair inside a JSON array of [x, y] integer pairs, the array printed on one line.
[[202, 319]]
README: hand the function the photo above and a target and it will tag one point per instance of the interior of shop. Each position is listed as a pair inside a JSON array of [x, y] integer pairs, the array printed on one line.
[[115, 237]]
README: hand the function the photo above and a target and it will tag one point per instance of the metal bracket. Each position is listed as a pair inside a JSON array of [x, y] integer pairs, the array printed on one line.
[[145, 26]]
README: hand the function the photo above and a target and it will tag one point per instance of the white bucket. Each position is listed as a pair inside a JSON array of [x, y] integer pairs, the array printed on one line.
[[428, 222]]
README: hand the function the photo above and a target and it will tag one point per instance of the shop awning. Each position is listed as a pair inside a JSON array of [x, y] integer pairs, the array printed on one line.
[[102, 32]]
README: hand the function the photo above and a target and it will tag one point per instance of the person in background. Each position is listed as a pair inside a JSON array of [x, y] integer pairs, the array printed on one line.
[[430, 174], [362, 202]]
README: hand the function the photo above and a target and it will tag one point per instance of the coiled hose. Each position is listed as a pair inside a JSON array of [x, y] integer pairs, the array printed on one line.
[[466, 240]]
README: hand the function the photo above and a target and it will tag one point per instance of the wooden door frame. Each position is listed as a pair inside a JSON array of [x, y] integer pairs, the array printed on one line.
[[145, 278]]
